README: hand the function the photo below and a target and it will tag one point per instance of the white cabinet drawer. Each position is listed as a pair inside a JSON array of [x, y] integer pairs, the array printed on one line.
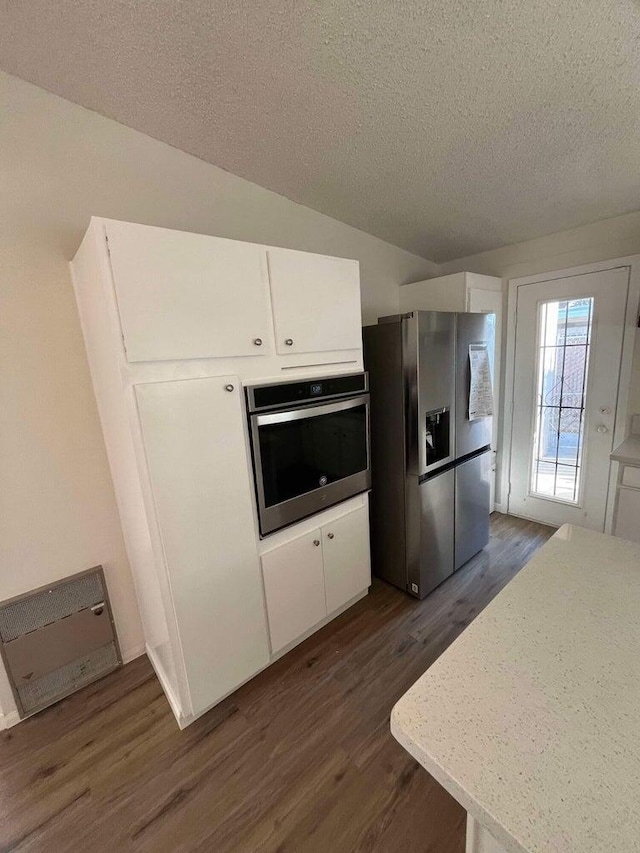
[[294, 588]]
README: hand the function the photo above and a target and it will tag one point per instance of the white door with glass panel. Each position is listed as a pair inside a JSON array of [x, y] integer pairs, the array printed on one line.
[[568, 346]]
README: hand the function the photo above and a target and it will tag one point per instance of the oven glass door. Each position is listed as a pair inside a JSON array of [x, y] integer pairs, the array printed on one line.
[[301, 450]]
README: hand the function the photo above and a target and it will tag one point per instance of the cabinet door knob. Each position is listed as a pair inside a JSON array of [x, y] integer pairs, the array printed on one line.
[[257, 342], [316, 542], [289, 342], [329, 535], [228, 387]]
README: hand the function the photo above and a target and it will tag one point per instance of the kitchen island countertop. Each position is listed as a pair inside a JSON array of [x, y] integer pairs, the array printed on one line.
[[531, 718], [628, 453]]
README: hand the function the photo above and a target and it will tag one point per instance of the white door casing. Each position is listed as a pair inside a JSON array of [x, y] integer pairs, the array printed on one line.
[[609, 291]]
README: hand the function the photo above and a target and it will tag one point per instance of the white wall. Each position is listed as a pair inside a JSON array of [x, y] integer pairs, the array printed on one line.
[[610, 238], [59, 164]]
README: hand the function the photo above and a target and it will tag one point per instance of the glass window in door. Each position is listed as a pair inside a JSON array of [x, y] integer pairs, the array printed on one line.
[[564, 339]]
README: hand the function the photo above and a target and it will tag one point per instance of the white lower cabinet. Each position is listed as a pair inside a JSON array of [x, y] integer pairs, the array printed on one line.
[[294, 588], [627, 523], [347, 568], [312, 576]]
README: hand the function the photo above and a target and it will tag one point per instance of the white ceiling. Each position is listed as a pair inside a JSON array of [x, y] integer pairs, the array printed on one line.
[[442, 126]]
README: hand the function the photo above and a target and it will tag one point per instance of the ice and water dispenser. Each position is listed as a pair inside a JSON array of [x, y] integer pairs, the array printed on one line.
[[437, 434]]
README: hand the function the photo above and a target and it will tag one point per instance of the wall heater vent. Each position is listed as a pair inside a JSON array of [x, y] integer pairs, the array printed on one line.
[[57, 639]]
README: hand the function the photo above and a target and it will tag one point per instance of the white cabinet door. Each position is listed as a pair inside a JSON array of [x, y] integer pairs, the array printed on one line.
[[347, 567], [316, 302], [294, 588], [183, 295], [194, 443], [627, 523]]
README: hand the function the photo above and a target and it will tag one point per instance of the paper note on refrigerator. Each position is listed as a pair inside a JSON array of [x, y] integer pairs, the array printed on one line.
[[480, 388]]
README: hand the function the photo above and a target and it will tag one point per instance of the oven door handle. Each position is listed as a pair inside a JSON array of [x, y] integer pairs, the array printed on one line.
[[310, 411]]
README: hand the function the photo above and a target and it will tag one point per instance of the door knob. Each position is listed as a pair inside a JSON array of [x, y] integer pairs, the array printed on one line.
[[316, 542], [228, 387], [289, 342], [601, 428], [329, 535], [257, 342]]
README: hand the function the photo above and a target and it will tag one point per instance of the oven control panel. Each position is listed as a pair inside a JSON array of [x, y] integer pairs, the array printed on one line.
[[283, 394]]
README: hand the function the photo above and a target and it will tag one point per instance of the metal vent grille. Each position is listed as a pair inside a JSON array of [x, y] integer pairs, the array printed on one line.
[[48, 605], [57, 639], [49, 688]]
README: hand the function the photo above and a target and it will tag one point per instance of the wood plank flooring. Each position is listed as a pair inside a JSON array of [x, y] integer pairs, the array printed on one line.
[[300, 759]]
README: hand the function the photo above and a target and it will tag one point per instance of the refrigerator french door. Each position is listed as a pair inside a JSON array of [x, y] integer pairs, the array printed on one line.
[[470, 436], [430, 463], [472, 494]]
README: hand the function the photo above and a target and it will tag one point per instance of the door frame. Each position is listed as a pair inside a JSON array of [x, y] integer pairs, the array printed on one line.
[[621, 423]]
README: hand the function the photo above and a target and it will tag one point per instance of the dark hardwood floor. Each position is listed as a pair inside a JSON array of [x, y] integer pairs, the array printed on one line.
[[300, 759]]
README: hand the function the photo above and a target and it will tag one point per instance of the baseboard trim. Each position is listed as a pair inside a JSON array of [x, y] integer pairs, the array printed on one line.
[[325, 621], [183, 722], [503, 509], [168, 692], [131, 654], [535, 520], [8, 720]]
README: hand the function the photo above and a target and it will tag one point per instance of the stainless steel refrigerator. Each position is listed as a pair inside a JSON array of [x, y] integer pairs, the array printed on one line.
[[430, 464]]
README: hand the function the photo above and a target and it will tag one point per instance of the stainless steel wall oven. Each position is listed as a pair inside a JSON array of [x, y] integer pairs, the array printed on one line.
[[310, 445]]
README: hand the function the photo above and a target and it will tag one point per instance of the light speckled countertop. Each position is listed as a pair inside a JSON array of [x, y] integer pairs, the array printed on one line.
[[628, 452], [531, 718]]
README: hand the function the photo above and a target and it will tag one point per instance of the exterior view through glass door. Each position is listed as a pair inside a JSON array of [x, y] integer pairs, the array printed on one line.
[[564, 339], [568, 347]]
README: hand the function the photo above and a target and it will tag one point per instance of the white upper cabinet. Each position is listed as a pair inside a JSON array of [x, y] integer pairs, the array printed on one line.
[[183, 295], [316, 302], [447, 292]]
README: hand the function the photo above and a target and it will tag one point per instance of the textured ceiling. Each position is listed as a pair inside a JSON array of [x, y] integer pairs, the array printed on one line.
[[442, 126]]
